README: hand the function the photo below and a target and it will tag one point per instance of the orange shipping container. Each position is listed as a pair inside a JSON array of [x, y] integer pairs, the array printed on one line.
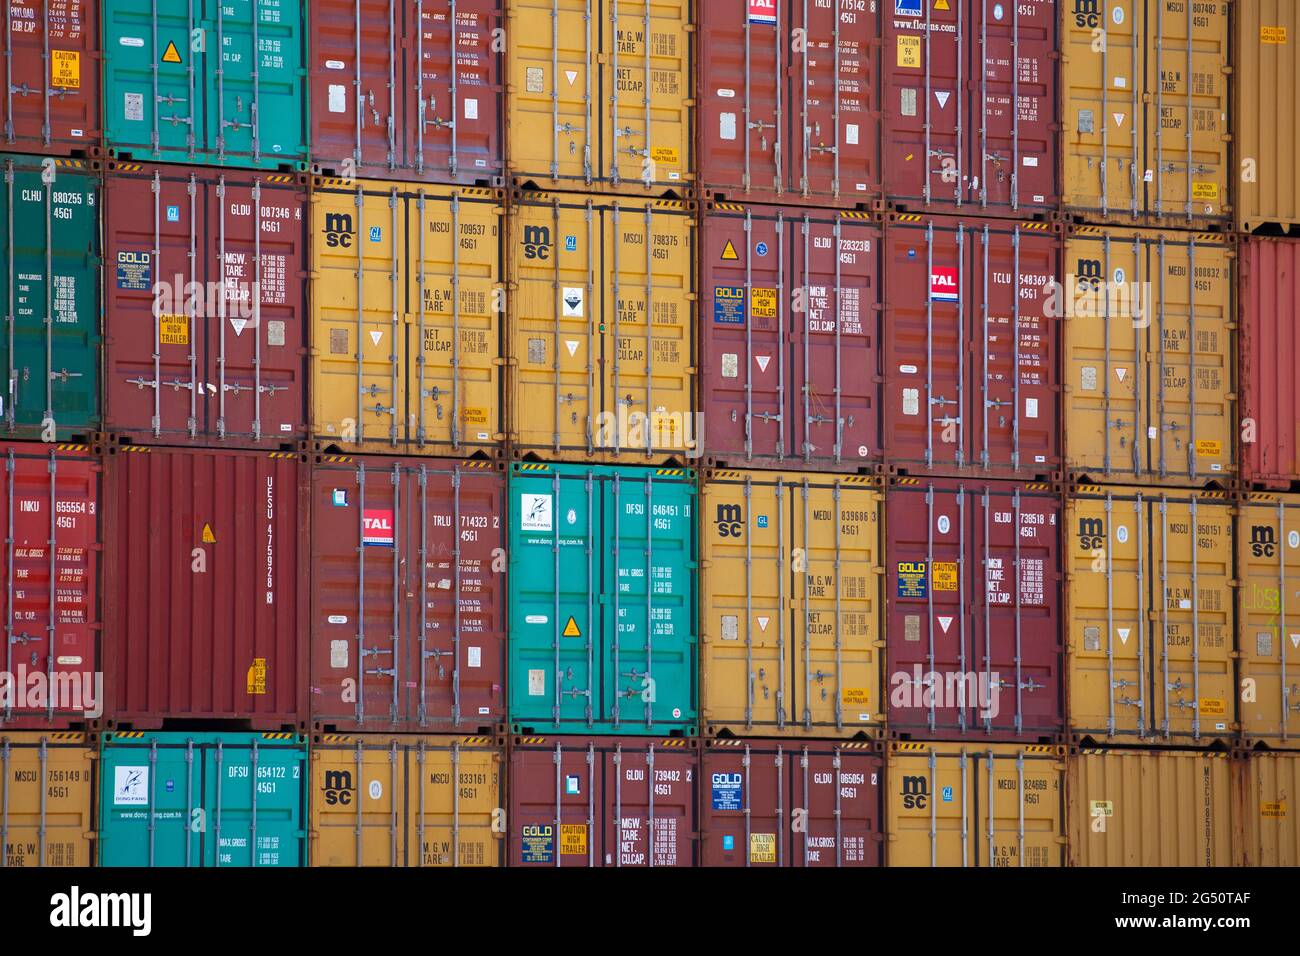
[[48, 786]]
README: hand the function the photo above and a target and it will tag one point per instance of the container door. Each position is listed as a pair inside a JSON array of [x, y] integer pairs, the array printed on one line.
[[1266, 785], [556, 799], [455, 109], [840, 791], [254, 800], [747, 801], [1268, 561], [651, 794], [933, 811], [153, 807], [358, 816], [457, 793], [1020, 819], [48, 784], [52, 98]]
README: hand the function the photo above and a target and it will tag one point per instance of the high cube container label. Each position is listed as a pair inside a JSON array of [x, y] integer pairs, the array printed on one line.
[[749, 785], [409, 567], [1268, 609], [600, 96], [602, 329], [790, 337], [971, 347], [202, 800], [970, 105], [975, 805], [1150, 808], [1145, 133], [603, 801], [205, 307], [52, 99], [1148, 343], [1264, 788], [50, 566], [785, 123], [973, 586], [1150, 623], [430, 109], [48, 780], [603, 579], [418, 801], [216, 82], [405, 311], [49, 216], [1268, 352], [205, 579], [791, 634]]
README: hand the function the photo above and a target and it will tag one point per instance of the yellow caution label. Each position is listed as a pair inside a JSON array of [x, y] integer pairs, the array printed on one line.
[[257, 676], [763, 304], [1205, 191], [762, 848], [173, 330], [945, 575], [208, 536], [1212, 707], [663, 155], [1208, 448], [855, 696], [729, 252], [1101, 808], [909, 52], [171, 54], [1273, 35], [474, 415], [571, 629], [941, 5], [1273, 811], [573, 839], [65, 69]]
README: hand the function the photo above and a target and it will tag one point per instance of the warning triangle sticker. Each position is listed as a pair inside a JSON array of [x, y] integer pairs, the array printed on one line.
[[1121, 373], [238, 324], [1123, 633], [762, 623], [729, 252], [941, 5], [763, 360], [1295, 640], [1119, 118], [942, 97], [572, 346], [571, 629], [945, 623], [376, 336], [571, 76], [208, 536], [171, 54]]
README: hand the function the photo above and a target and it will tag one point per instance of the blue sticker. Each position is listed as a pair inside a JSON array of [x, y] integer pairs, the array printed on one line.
[[728, 842], [173, 213], [571, 784], [947, 794], [537, 843], [376, 233], [911, 253], [908, 7], [761, 249], [134, 271], [911, 579], [171, 786], [762, 521], [570, 243], [729, 305], [340, 497], [726, 791]]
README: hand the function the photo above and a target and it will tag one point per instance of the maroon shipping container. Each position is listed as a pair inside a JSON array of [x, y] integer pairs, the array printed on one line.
[[408, 90], [790, 332], [205, 589], [408, 595], [966, 660], [753, 790], [810, 134], [603, 801], [1270, 355], [52, 98], [970, 106], [50, 564], [194, 352], [956, 292]]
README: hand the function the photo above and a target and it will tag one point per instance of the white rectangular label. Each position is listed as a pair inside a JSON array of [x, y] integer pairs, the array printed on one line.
[[1031, 160], [727, 126], [338, 98], [911, 401], [338, 654], [535, 512], [471, 109], [851, 134], [537, 683], [335, 65], [131, 786], [133, 106], [1031, 408], [475, 657]]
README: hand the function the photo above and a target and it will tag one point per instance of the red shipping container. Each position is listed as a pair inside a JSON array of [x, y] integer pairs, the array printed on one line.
[[196, 353], [603, 801], [971, 118], [784, 125], [1270, 355], [408, 595], [52, 98], [790, 332], [752, 790], [50, 563], [957, 290], [205, 589], [408, 90], [966, 660]]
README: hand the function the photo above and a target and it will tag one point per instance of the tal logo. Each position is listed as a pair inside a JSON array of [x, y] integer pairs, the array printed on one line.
[[1263, 544], [731, 521], [916, 792], [377, 527], [1092, 534], [537, 242], [338, 230], [943, 284], [338, 788]]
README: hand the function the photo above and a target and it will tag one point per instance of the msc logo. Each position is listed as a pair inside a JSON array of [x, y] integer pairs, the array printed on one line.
[[1262, 542], [338, 788], [731, 521], [1092, 534], [916, 793], [338, 230], [1086, 13], [537, 242], [1088, 272]]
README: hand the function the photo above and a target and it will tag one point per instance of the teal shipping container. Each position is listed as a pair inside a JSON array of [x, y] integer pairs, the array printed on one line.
[[182, 83], [602, 599], [203, 799], [50, 290]]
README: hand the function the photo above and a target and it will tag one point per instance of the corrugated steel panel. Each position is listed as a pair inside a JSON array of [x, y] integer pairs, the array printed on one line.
[[1266, 785], [52, 94], [1269, 356], [48, 781], [1266, 94]]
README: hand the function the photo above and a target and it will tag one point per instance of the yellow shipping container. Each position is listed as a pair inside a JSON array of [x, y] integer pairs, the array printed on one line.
[[1145, 131], [48, 782], [602, 329], [1269, 828], [1266, 84], [600, 96], [1149, 375], [1150, 615], [1268, 568], [414, 801], [971, 805], [791, 641], [1149, 808], [406, 295]]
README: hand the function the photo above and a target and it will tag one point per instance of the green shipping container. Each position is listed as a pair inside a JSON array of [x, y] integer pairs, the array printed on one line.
[[602, 599], [168, 98], [50, 289], [203, 799]]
